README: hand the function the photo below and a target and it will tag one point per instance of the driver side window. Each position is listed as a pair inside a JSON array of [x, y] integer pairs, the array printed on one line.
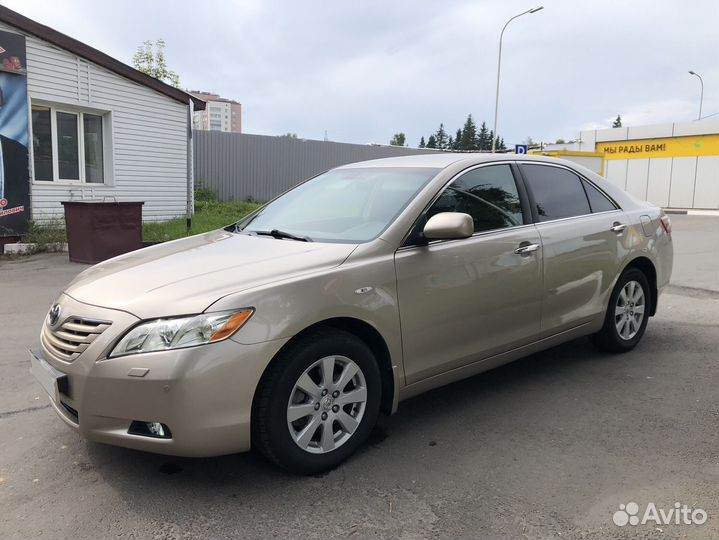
[[488, 194]]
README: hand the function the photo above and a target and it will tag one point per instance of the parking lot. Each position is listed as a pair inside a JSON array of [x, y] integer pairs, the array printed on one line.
[[548, 446]]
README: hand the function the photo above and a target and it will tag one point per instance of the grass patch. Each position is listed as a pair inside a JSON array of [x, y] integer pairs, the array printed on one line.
[[42, 234], [209, 216]]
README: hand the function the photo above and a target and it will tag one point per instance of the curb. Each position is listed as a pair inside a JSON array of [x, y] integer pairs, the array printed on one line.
[[687, 212], [21, 248]]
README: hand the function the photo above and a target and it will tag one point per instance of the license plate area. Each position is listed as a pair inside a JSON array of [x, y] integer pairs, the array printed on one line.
[[54, 382]]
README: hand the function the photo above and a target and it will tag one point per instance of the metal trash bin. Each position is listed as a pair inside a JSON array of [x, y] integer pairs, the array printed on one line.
[[101, 229]]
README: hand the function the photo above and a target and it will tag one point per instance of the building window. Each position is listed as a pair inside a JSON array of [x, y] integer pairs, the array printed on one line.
[[68, 146], [42, 143], [68, 152], [92, 127]]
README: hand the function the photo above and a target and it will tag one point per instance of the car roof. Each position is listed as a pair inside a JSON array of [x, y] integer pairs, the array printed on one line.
[[440, 160]]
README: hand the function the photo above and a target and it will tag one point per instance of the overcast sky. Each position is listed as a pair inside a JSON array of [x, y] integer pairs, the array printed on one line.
[[365, 70]]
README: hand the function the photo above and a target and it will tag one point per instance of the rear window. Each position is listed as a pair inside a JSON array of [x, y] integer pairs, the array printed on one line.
[[558, 193], [597, 200]]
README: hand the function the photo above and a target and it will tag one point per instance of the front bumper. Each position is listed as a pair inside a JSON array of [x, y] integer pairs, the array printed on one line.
[[203, 394]]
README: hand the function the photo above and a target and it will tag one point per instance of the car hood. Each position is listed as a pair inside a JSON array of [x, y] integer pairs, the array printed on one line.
[[186, 276]]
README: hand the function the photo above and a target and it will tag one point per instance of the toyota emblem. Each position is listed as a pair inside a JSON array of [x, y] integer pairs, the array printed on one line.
[[54, 314]]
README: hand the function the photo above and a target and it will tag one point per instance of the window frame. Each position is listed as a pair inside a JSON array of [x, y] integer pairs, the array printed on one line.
[[580, 177], [107, 144], [413, 239]]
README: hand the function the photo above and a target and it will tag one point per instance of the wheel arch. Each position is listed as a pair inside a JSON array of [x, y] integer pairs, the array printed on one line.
[[369, 335], [646, 266]]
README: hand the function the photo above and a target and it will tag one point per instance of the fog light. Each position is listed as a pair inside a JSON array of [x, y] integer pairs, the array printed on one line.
[[149, 429], [156, 429]]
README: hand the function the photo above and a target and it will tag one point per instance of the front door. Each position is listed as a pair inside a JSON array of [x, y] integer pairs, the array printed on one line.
[[464, 300]]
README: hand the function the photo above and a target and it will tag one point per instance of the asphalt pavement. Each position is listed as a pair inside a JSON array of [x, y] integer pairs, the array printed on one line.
[[547, 447]]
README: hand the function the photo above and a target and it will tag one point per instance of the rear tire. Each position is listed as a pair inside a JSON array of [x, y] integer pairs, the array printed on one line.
[[318, 402], [627, 313]]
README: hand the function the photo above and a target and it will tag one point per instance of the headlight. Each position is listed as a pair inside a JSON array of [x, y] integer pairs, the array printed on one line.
[[181, 332]]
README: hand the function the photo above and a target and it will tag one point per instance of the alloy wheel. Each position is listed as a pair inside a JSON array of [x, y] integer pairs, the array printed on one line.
[[327, 404], [629, 310]]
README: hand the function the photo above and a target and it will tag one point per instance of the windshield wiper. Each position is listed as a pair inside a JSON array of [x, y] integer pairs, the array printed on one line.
[[276, 233]]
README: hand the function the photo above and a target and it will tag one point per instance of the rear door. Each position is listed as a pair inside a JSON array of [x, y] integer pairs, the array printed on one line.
[[584, 242], [464, 300]]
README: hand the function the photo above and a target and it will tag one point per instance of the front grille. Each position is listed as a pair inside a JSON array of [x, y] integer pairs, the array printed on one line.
[[72, 337]]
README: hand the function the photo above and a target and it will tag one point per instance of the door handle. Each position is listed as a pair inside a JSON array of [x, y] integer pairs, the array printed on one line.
[[618, 227], [526, 248]]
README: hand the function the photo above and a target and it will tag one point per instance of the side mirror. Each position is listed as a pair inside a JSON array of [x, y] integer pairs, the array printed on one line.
[[449, 226]]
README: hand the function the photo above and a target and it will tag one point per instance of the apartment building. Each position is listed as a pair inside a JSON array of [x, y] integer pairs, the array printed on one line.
[[221, 114]]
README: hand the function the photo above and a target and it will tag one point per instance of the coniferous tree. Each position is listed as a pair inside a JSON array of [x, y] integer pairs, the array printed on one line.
[[469, 135], [431, 142], [501, 145], [457, 140], [422, 144], [441, 137], [450, 143], [484, 140]]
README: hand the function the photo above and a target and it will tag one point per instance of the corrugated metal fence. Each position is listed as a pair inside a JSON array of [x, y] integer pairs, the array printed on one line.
[[238, 166]]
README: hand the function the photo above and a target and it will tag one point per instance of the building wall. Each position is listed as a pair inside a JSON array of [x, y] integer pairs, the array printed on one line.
[[241, 166], [236, 117], [670, 165], [146, 139]]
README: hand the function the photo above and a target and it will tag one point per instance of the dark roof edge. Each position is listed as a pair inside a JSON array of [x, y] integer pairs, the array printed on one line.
[[79, 48]]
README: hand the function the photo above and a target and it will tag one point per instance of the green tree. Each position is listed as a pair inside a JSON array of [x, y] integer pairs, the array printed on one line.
[[469, 135], [441, 137], [560, 141], [431, 142], [422, 144], [150, 59], [617, 122], [457, 140], [528, 141], [484, 139], [289, 135], [501, 145], [398, 139]]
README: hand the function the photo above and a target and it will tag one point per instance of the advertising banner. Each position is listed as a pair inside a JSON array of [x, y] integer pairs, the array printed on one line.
[[698, 145], [14, 183]]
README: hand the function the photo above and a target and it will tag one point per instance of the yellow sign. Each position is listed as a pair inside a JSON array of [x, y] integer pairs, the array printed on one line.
[[700, 145]]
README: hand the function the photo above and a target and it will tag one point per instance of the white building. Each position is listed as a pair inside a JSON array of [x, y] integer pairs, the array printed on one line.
[[97, 127], [670, 165]]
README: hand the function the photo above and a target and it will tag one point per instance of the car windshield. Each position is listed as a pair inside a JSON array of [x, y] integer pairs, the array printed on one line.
[[342, 205]]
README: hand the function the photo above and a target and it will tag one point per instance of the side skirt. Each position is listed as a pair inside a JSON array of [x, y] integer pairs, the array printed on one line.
[[497, 360]]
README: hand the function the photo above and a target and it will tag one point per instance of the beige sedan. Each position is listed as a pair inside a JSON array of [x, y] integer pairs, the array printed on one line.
[[292, 329]]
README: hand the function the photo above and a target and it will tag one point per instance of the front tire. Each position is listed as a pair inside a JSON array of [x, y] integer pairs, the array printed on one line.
[[318, 402], [627, 313]]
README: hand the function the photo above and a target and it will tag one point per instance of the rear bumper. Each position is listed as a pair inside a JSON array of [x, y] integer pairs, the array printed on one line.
[[202, 394]]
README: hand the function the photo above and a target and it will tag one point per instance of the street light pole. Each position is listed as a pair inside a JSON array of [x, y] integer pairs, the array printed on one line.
[[499, 66], [701, 96]]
